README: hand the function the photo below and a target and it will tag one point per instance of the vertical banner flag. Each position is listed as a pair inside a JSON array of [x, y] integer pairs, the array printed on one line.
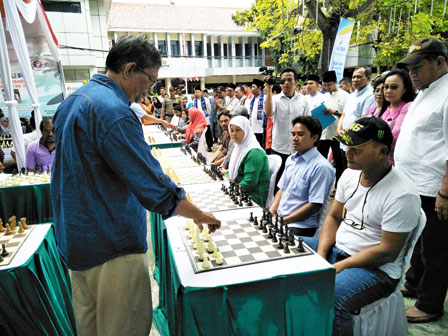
[[340, 47]]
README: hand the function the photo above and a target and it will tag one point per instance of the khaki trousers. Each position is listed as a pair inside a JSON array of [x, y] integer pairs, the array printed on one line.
[[114, 298]]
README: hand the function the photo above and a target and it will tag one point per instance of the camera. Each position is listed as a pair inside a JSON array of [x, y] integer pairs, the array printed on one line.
[[272, 80]]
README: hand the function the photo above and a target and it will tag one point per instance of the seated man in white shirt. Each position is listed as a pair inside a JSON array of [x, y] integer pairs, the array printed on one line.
[[366, 232]]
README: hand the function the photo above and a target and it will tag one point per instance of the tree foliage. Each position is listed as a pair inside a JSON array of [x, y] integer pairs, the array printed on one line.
[[388, 26]]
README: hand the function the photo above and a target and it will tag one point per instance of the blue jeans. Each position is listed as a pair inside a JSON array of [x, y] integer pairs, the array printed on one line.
[[354, 289]]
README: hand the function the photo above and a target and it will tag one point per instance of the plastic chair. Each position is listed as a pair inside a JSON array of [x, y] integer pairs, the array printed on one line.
[[322, 215], [275, 161], [387, 316]]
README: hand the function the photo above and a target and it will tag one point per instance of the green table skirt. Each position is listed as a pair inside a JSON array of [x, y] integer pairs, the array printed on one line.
[[297, 304], [166, 145], [35, 298], [32, 202]]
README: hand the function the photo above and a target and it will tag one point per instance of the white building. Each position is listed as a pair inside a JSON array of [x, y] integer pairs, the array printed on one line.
[[200, 44]]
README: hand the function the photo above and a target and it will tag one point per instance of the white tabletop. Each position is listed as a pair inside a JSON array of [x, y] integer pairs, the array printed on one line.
[[235, 275], [30, 245]]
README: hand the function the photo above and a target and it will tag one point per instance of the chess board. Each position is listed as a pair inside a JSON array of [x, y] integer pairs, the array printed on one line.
[[212, 198], [240, 243], [193, 175], [182, 162], [172, 152], [157, 138], [13, 243]]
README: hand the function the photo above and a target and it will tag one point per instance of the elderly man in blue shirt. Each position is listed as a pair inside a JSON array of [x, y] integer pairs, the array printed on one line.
[[103, 178], [306, 181]]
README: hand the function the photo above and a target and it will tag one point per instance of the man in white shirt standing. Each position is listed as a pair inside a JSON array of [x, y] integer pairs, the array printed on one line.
[[256, 110], [233, 101], [334, 100], [314, 97], [239, 94], [203, 105], [422, 152], [366, 232], [284, 108]]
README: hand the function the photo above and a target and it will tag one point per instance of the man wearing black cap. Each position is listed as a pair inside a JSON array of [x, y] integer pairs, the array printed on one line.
[[365, 234], [315, 98], [334, 100], [422, 152], [256, 110]]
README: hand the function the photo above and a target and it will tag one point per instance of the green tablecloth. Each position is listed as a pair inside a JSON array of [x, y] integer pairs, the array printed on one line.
[[32, 202], [166, 145], [35, 298], [159, 241], [297, 304]]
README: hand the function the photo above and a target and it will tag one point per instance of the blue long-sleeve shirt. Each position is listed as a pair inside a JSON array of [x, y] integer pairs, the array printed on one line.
[[103, 177]]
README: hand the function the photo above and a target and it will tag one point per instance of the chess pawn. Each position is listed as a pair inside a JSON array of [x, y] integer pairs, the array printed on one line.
[[201, 248], [219, 260], [1, 226], [206, 263], [8, 230], [215, 252], [210, 247], [21, 230]]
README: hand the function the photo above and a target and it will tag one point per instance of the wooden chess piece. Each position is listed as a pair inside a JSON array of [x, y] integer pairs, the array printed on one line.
[[8, 230], [12, 223], [1, 226], [24, 224], [21, 230]]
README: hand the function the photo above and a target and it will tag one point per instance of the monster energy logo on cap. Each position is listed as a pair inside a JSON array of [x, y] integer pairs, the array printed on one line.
[[380, 134]]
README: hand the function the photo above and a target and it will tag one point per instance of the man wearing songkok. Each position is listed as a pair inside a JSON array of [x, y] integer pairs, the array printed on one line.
[[422, 151], [314, 97], [305, 184], [103, 178], [367, 231]]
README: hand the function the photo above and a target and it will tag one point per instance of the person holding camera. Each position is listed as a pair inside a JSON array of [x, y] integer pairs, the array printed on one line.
[[284, 108]]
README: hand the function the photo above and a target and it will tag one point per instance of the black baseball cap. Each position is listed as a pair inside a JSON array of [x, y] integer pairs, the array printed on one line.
[[364, 130], [421, 49]]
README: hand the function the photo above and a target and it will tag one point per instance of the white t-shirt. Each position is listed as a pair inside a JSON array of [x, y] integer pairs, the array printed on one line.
[[422, 146], [284, 110], [138, 110], [335, 101], [232, 103], [255, 124], [315, 101], [392, 205]]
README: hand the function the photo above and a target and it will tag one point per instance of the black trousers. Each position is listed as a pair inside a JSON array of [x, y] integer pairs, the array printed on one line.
[[209, 137], [302, 232], [282, 168], [259, 137], [324, 147], [428, 275]]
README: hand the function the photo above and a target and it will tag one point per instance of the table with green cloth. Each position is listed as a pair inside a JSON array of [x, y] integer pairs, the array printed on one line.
[[30, 201], [35, 289], [292, 296]]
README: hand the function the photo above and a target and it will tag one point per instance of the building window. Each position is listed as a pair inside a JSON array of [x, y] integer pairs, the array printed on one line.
[[175, 51], [217, 49], [76, 75], [161, 45], [209, 50], [62, 6], [238, 50], [188, 48], [225, 49], [198, 48], [247, 48]]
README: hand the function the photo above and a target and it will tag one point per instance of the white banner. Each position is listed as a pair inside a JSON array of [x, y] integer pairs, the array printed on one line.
[[340, 47]]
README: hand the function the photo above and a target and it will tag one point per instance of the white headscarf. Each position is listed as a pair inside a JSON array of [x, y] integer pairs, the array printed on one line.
[[240, 150]]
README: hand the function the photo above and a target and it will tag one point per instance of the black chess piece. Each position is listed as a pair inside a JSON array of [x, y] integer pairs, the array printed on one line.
[[270, 236], [4, 252], [275, 229], [280, 243], [274, 238], [265, 229], [251, 218], [290, 236], [286, 249], [241, 202], [300, 248], [1, 258]]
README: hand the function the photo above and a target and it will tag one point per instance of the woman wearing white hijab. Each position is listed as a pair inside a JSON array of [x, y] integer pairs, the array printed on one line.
[[249, 164]]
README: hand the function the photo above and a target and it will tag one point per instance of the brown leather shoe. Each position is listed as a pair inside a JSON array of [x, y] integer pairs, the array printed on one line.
[[415, 315]]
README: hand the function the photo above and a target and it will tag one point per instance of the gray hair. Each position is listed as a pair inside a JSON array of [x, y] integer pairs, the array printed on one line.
[[240, 111], [135, 49]]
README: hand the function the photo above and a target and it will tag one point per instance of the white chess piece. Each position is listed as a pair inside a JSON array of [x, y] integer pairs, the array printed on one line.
[[219, 259], [206, 263], [210, 246], [215, 252]]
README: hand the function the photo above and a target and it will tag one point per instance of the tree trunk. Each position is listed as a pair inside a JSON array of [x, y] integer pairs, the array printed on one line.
[[329, 36]]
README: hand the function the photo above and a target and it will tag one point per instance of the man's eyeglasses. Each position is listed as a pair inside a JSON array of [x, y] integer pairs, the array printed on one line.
[[154, 81]]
